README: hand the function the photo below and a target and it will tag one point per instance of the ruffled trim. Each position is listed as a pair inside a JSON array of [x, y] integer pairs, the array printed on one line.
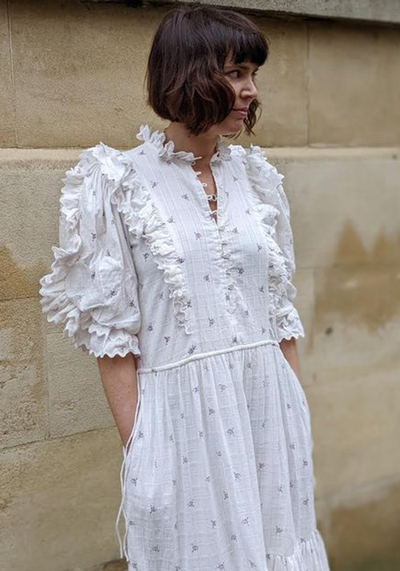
[[167, 152], [309, 555], [269, 202], [142, 217], [80, 324], [232, 295]]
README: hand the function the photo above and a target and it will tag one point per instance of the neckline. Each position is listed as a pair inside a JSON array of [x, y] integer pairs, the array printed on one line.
[[166, 151]]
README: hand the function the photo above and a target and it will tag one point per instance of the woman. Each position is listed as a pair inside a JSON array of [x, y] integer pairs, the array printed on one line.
[[174, 270]]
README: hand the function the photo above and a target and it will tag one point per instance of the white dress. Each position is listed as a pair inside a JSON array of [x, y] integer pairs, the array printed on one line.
[[218, 472]]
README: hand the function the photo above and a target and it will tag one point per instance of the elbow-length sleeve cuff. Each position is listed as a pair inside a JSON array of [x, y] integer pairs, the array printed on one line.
[[92, 288]]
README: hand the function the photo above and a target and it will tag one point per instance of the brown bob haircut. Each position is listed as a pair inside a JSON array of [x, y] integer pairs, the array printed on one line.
[[185, 72]]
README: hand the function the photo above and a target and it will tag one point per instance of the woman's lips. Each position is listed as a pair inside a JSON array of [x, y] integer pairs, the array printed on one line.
[[241, 112]]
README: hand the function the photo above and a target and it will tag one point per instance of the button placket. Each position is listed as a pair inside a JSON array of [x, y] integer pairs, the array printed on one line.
[[225, 235]]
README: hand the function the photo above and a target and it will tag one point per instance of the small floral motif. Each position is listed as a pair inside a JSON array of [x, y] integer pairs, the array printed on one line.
[[146, 256], [261, 289], [292, 445], [245, 520], [93, 275], [180, 260], [150, 327], [194, 547], [134, 481], [171, 437], [278, 529], [206, 277], [211, 321], [225, 494], [280, 488], [196, 389], [198, 235], [231, 431], [261, 465], [213, 523], [153, 509], [305, 463], [156, 548], [237, 475], [93, 236], [201, 434], [233, 537], [185, 460], [170, 220], [191, 504], [222, 387], [211, 410], [305, 502], [259, 247], [185, 196], [192, 349], [166, 339]]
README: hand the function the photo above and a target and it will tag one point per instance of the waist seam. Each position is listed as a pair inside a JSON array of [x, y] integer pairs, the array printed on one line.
[[204, 355]]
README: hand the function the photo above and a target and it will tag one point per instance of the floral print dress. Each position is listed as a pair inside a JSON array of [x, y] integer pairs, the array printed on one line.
[[217, 473]]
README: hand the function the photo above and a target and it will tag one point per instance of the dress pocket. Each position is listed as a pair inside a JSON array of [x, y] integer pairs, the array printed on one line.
[[303, 402], [137, 421]]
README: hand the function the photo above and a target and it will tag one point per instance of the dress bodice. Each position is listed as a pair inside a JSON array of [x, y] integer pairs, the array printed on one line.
[[145, 266]]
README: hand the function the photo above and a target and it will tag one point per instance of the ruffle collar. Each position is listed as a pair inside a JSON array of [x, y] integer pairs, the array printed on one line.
[[167, 150]]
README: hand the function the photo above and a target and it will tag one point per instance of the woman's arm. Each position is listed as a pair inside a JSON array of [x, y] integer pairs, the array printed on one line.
[[289, 349], [118, 375]]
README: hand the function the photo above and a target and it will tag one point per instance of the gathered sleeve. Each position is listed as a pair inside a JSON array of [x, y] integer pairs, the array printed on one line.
[[288, 322], [272, 207], [92, 288]]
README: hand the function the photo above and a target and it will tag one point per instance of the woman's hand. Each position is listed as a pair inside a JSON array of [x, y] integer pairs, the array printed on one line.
[[289, 349], [118, 375]]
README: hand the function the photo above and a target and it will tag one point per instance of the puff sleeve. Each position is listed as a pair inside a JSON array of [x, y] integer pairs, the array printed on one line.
[[272, 207], [288, 322], [92, 288]]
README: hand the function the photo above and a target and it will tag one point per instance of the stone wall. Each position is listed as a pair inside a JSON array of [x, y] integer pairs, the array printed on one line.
[[71, 75]]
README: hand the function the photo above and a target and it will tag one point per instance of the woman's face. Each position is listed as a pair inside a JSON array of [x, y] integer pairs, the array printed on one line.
[[241, 77]]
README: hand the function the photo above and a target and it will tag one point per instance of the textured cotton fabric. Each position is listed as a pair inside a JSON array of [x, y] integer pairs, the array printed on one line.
[[217, 473]]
